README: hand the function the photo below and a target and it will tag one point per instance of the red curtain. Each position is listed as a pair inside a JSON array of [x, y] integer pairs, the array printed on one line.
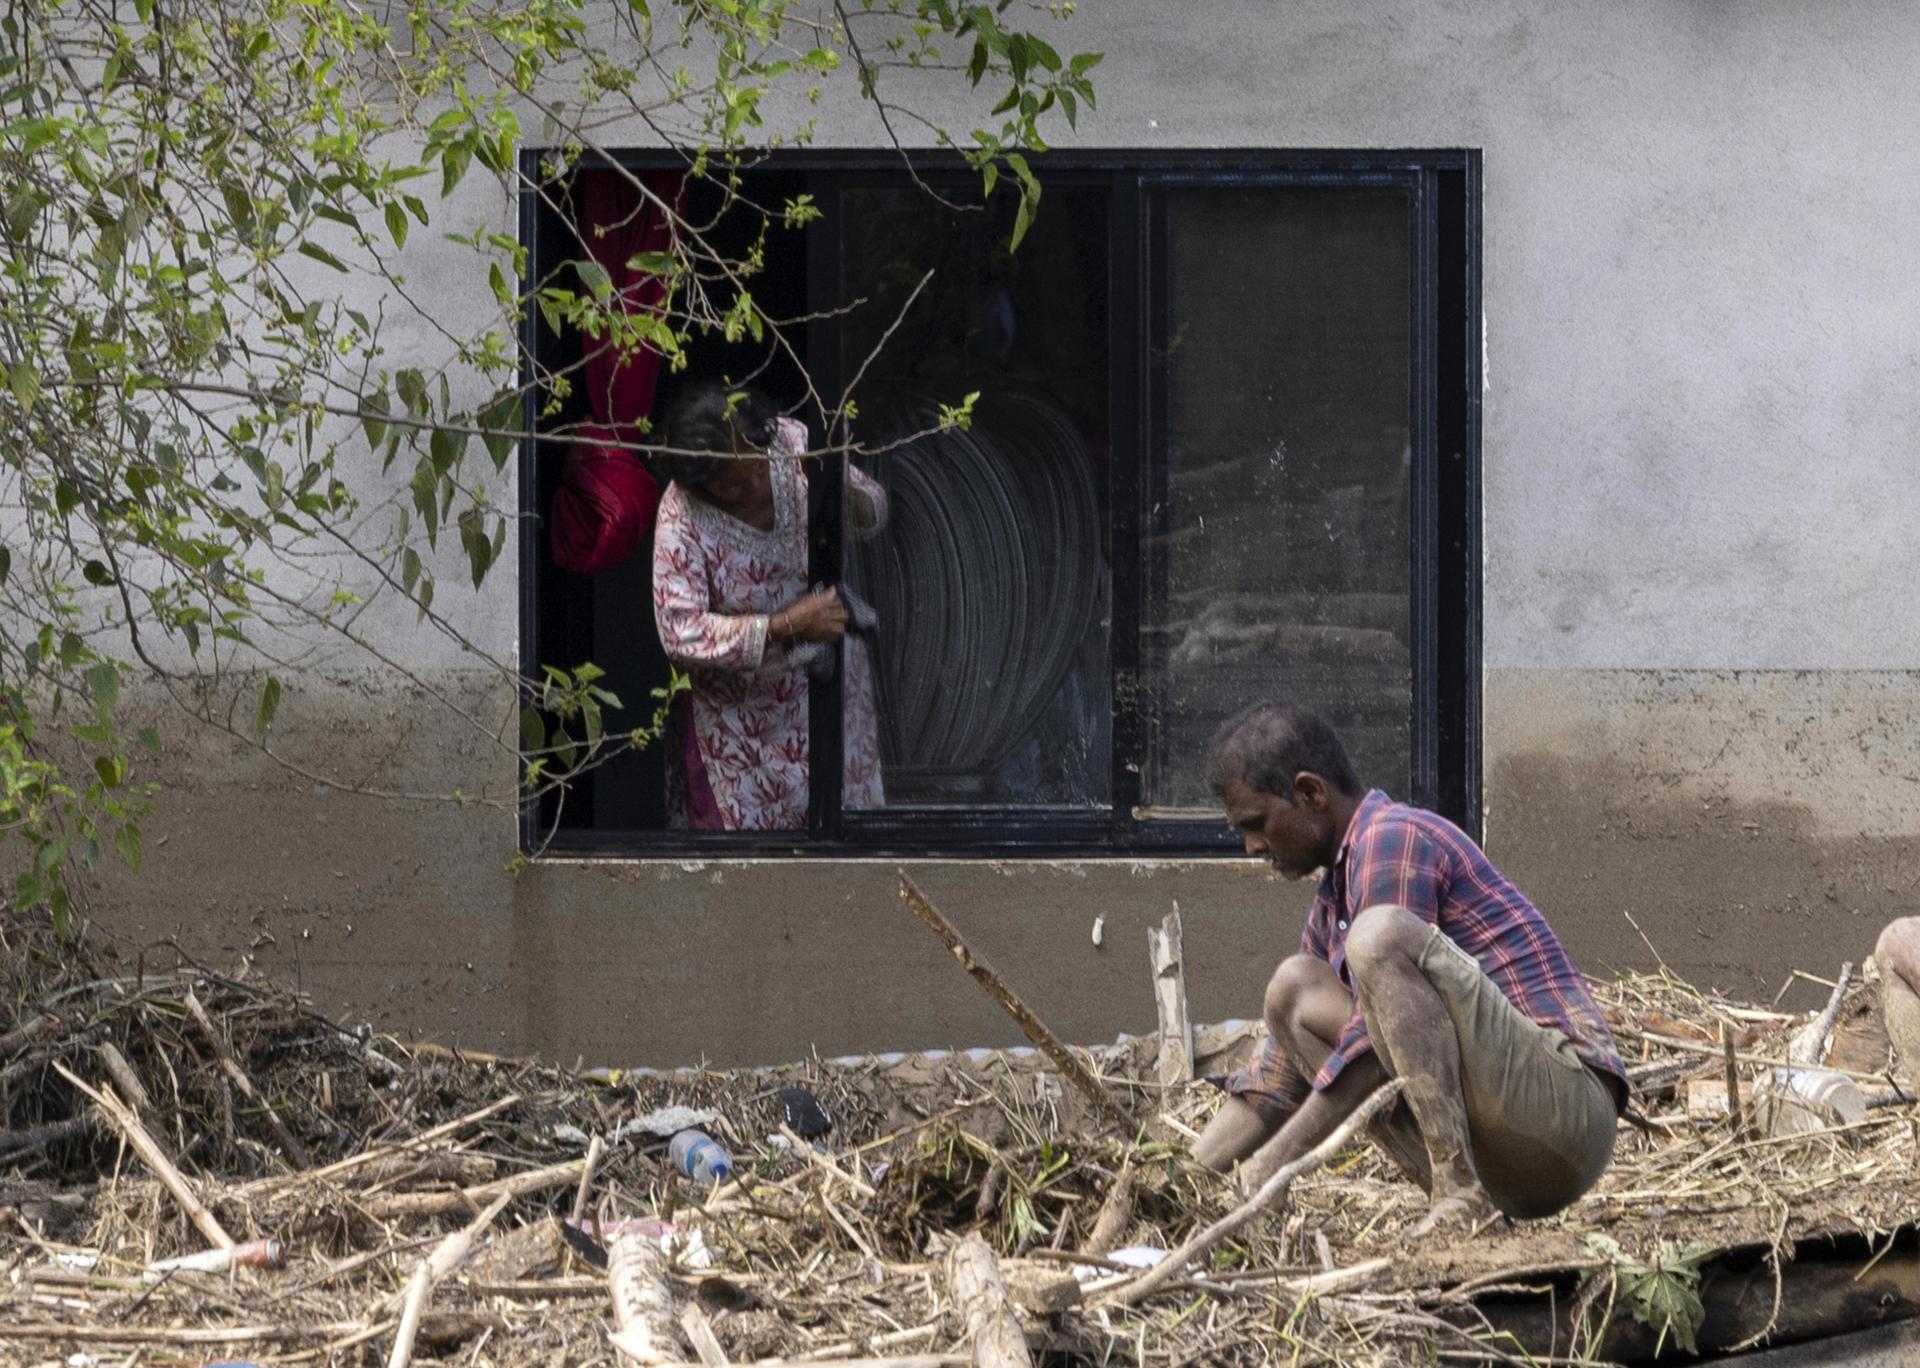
[[604, 507]]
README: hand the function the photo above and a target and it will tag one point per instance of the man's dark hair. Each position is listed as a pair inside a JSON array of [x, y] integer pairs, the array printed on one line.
[[716, 418], [1265, 746]]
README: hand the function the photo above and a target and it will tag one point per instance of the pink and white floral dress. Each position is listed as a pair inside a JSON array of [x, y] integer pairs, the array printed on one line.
[[716, 582]]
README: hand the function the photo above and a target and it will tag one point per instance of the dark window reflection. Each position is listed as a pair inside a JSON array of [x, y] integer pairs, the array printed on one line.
[[991, 582]]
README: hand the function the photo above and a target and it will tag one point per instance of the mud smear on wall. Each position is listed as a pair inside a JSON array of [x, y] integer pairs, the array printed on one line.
[[1732, 894]]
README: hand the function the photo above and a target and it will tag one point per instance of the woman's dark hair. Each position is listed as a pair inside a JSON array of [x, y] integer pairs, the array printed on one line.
[[716, 418], [1268, 744]]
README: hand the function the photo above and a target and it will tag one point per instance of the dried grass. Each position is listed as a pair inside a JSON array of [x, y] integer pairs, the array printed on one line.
[[817, 1256]]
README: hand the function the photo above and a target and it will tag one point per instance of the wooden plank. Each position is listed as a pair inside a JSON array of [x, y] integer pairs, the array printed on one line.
[[1175, 1064]]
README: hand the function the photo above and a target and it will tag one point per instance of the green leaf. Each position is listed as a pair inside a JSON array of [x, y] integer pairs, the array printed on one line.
[[533, 731], [103, 682], [594, 276], [1022, 220], [6, 564], [446, 446], [269, 705], [397, 224], [24, 381], [112, 769], [426, 496], [321, 255], [475, 542], [500, 419], [127, 841], [453, 166], [375, 427], [412, 388], [96, 573]]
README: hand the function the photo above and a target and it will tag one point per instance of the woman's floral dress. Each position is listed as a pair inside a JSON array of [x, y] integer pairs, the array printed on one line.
[[716, 582]]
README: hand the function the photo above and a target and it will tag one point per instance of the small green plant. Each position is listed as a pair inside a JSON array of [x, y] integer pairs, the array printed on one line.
[[1662, 1294]]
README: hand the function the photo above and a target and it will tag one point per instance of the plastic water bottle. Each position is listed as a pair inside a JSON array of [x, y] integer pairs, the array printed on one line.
[[1801, 1101], [699, 1156]]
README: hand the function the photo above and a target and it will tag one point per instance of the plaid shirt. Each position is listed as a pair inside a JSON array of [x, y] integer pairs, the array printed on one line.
[[1406, 857]]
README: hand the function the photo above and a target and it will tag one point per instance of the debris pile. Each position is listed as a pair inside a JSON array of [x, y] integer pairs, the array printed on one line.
[[194, 1167]]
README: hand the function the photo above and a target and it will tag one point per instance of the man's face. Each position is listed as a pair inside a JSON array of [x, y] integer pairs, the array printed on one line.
[[1293, 837]]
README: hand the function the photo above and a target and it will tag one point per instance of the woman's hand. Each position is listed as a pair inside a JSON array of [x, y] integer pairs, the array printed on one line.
[[819, 616]]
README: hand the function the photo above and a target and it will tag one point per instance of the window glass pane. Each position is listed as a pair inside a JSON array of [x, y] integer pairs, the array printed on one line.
[[990, 580], [1277, 519]]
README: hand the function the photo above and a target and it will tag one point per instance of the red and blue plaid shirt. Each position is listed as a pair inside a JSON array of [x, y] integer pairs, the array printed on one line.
[[1395, 855]]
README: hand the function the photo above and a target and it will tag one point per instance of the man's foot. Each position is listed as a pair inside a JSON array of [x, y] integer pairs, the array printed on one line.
[[1461, 1209]]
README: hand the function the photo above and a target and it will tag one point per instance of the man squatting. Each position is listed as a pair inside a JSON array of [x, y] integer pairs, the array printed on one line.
[[1419, 961]]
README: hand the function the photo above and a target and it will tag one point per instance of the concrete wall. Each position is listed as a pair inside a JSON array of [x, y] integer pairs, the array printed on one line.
[[1703, 672]]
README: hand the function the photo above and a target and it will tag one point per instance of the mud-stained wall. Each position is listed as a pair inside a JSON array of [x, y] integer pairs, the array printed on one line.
[[1750, 822], [1703, 663]]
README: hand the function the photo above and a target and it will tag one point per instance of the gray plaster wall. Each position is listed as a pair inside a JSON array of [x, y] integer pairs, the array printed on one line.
[[1702, 666]]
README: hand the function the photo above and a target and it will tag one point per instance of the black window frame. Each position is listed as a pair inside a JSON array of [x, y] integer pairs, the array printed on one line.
[[1444, 549]]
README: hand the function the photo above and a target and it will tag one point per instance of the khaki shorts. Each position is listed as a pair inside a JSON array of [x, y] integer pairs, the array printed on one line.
[[1540, 1121]]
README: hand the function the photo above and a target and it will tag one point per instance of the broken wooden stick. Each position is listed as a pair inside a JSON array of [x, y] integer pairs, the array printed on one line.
[[1734, 1119], [1809, 1043], [152, 1156], [700, 1334], [594, 1149], [124, 1078], [1175, 1065], [1116, 1210], [441, 1261], [1270, 1195], [974, 1283], [1036, 1030], [467, 1199], [642, 1302], [295, 1150]]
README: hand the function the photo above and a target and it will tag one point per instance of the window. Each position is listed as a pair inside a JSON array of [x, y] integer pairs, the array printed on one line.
[[1226, 448]]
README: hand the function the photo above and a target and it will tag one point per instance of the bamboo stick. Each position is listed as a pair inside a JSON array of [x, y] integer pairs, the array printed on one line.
[[466, 1199], [1270, 1194], [441, 1261], [1036, 1030], [224, 1053], [980, 1296], [124, 1077], [153, 1156]]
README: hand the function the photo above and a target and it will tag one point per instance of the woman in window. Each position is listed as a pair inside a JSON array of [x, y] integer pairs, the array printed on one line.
[[731, 601]]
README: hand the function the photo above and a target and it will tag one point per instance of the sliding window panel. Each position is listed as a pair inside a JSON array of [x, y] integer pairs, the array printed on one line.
[[1279, 503], [989, 583]]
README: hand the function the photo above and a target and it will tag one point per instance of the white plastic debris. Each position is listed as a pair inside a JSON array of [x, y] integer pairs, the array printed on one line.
[[1134, 1256], [665, 1122], [1099, 930], [691, 1250]]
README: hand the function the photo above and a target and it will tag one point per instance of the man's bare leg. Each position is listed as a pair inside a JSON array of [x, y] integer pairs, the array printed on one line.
[[1411, 1031], [1306, 1008], [1898, 954]]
